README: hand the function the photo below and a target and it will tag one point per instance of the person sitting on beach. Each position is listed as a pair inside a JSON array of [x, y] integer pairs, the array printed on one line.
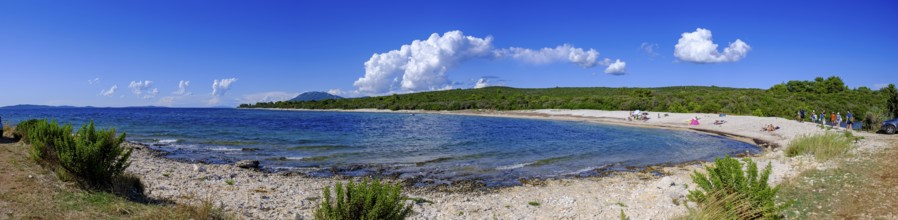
[[770, 128]]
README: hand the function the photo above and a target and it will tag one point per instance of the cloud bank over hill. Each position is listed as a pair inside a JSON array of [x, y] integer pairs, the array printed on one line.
[[423, 64]]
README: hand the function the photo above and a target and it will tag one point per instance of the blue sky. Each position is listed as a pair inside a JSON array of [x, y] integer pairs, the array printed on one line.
[[72, 53]]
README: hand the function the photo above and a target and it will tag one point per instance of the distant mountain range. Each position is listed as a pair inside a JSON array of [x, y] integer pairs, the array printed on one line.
[[314, 96], [27, 106]]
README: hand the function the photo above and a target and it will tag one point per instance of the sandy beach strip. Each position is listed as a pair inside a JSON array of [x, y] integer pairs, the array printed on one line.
[[641, 195]]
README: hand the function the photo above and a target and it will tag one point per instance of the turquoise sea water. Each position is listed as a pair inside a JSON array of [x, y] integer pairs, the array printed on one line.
[[424, 148]]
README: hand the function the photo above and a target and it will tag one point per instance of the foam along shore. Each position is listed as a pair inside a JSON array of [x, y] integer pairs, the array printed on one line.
[[640, 195]]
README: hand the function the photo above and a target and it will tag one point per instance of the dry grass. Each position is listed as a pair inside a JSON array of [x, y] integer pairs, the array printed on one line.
[[877, 195], [863, 187], [823, 147], [721, 205]]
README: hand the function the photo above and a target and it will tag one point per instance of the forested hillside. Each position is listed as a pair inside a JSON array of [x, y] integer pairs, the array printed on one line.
[[782, 100]]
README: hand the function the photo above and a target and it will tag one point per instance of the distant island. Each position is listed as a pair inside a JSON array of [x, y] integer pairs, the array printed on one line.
[[314, 96], [29, 106], [781, 100]]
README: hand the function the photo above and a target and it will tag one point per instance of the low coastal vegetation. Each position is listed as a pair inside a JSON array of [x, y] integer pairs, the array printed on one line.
[[781, 100], [91, 157], [863, 186], [366, 200], [95, 160], [823, 147], [729, 192]]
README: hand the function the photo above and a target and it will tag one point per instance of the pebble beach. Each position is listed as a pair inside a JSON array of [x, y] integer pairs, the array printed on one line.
[[641, 195]]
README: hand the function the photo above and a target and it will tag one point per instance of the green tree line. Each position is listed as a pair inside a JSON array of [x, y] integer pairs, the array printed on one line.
[[782, 100]]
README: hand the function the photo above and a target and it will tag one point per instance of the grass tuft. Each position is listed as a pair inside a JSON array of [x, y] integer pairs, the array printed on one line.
[[723, 205], [823, 147]]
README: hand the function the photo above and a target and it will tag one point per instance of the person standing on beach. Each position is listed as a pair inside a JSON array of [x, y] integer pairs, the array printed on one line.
[[849, 121], [832, 119], [814, 116], [838, 119], [823, 117], [801, 115]]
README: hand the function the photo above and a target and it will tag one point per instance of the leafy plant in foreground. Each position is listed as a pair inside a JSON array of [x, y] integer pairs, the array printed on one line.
[[365, 200], [21, 130], [93, 157], [728, 188]]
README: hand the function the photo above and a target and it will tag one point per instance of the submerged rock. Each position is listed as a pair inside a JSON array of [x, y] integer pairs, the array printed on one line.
[[247, 164]]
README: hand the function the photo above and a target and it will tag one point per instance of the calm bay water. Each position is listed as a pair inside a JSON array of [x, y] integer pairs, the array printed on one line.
[[429, 148]]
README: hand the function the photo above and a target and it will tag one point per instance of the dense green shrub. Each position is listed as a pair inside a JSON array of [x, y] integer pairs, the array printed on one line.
[[92, 157], [781, 100], [729, 189], [365, 200], [21, 130], [892, 103], [874, 118], [43, 137], [823, 147]]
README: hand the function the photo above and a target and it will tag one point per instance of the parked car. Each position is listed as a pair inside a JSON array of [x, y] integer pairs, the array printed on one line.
[[890, 126]]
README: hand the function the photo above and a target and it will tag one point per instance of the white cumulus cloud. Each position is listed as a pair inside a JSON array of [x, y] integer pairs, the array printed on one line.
[[650, 48], [143, 89], [182, 88], [219, 88], [423, 64], [617, 68], [109, 92], [697, 47], [481, 83], [344, 93], [581, 57], [267, 97]]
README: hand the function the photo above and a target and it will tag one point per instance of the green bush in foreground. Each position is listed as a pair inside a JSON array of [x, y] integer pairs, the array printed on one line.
[[92, 157], [823, 147], [21, 130], [365, 200], [730, 191]]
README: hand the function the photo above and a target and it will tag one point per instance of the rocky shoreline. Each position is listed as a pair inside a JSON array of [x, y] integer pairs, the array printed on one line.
[[642, 195]]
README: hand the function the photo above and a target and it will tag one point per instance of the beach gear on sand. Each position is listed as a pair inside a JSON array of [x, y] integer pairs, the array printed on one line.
[[694, 121]]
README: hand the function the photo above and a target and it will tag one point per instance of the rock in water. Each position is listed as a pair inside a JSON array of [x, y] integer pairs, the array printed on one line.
[[247, 164]]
